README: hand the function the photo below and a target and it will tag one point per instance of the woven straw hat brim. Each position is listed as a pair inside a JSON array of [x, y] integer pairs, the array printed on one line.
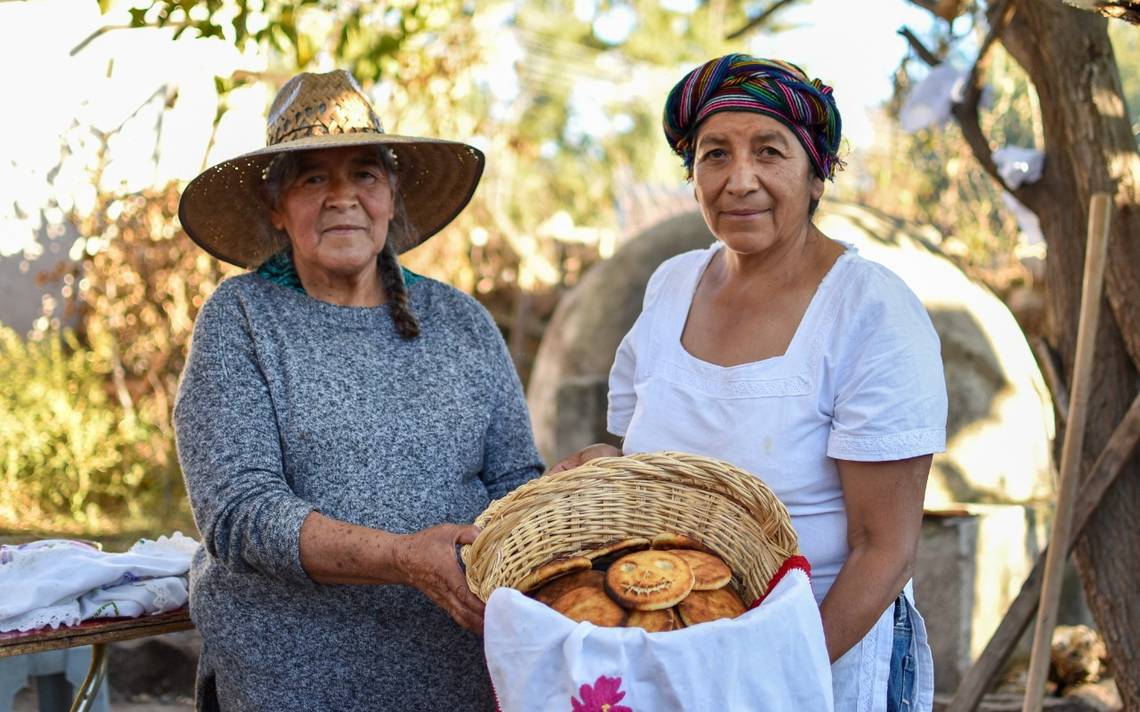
[[222, 209]]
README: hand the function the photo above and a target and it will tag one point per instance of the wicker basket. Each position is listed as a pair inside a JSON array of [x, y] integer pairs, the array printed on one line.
[[729, 511]]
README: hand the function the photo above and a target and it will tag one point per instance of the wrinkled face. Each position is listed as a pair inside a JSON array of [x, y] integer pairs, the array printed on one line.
[[336, 211], [753, 180]]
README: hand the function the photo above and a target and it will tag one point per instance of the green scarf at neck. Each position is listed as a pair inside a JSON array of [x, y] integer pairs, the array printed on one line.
[[280, 270]]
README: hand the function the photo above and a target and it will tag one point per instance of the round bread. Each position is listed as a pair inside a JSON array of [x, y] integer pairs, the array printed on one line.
[[671, 540], [649, 580], [709, 571], [661, 621], [552, 570], [705, 606], [591, 604], [605, 555], [551, 591]]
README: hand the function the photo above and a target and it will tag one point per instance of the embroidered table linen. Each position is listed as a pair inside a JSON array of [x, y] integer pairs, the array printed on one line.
[[771, 658], [57, 582]]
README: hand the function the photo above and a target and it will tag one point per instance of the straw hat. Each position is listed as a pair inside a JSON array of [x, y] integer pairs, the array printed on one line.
[[222, 209]]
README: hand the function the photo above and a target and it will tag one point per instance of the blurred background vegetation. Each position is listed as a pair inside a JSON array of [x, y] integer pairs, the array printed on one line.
[[577, 165]]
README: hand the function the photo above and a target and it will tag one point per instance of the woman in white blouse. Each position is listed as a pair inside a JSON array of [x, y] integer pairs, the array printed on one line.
[[784, 352]]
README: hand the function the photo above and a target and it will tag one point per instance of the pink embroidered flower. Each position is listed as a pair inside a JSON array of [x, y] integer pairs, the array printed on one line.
[[602, 697]]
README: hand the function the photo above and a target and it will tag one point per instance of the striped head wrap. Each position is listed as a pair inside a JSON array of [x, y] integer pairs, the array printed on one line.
[[739, 82]]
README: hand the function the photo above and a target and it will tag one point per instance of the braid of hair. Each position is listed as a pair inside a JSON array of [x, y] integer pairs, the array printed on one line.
[[392, 279]]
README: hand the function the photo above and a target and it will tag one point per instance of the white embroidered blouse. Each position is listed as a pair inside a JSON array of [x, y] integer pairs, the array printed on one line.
[[862, 379]]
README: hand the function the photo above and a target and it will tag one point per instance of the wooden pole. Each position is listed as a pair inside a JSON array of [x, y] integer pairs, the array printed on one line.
[[1071, 451]]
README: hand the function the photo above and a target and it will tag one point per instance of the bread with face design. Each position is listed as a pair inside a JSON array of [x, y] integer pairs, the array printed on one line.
[[649, 580]]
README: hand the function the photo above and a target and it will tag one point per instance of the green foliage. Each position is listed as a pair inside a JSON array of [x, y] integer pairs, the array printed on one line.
[[931, 178], [85, 416], [432, 56], [585, 171], [141, 288], [72, 457], [362, 36]]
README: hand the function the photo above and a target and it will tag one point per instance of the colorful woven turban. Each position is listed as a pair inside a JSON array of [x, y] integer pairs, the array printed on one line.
[[739, 82]]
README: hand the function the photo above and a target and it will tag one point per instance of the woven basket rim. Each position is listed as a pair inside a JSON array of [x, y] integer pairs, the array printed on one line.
[[730, 511]]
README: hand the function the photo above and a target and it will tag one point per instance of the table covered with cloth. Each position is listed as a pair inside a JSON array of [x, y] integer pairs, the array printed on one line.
[[54, 582]]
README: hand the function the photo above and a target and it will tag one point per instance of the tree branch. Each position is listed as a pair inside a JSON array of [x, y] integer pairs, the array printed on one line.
[[919, 48], [1127, 11], [95, 35], [966, 111], [759, 19], [108, 28], [1051, 370]]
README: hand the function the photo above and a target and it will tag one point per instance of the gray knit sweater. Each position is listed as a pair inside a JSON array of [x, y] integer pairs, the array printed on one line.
[[287, 405]]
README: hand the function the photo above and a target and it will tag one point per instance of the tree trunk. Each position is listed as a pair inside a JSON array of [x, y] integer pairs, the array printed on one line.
[[1089, 148]]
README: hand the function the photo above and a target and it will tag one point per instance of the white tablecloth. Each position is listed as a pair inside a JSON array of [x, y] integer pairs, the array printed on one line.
[[771, 658]]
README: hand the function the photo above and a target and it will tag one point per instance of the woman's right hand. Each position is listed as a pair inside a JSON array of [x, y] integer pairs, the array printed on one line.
[[584, 455], [427, 562]]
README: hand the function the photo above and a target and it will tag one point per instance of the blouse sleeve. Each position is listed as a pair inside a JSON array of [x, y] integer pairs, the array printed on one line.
[[890, 388], [510, 457], [229, 448]]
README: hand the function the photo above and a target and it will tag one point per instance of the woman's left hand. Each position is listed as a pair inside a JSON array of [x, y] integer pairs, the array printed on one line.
[[333, 551], [427, 561]]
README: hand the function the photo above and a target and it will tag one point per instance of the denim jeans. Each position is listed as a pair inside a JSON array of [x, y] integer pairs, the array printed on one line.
[[900, 684]]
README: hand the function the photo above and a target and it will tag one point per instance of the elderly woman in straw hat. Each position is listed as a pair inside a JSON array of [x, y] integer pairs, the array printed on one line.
[[339, 419], [784, 352]]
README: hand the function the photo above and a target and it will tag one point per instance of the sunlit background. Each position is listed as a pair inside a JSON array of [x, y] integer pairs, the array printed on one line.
[[111, 106], [157, 102]]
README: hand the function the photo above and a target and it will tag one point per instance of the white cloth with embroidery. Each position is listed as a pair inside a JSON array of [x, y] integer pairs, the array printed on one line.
[[57, 582], [771, 658]]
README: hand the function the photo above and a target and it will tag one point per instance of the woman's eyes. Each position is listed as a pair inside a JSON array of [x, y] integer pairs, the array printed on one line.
[[310, 179], [365, 175], [762, 152]]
